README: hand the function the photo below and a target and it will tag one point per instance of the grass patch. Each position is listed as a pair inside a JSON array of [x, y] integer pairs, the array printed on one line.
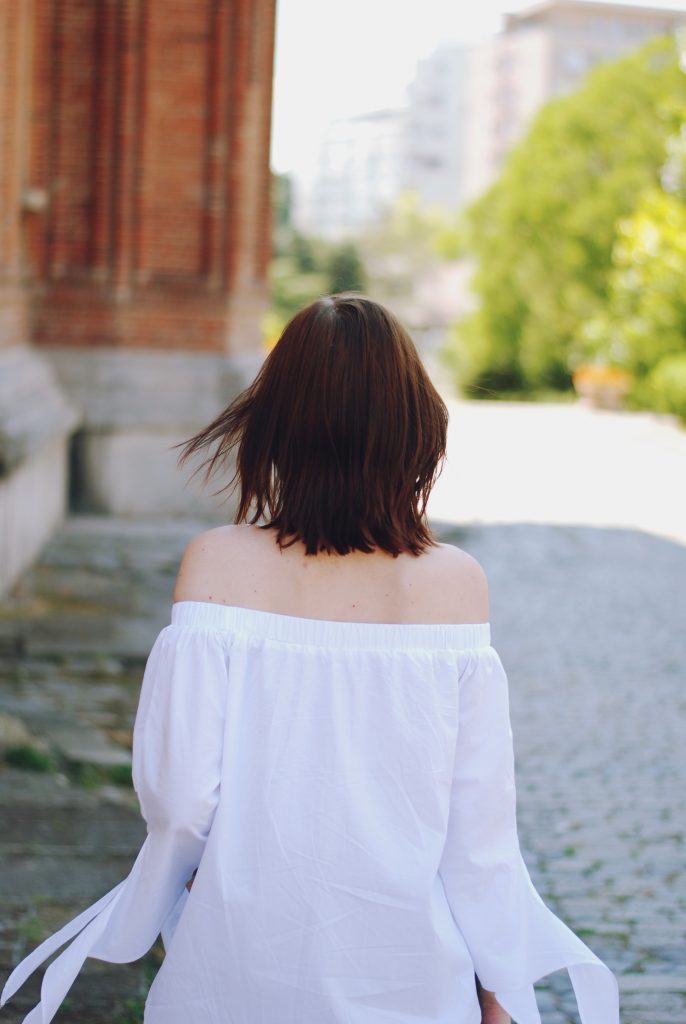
[[31, 929], [91, 776], [29, 758], [133, 1010], [134, 1007], [120, 775]]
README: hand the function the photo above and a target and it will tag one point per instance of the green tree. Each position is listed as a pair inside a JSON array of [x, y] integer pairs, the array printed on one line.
[[303, 253], [345, 269], [302, 270], [543, 235], [282, 199], [643, 327], [291, 289], [645, 317]]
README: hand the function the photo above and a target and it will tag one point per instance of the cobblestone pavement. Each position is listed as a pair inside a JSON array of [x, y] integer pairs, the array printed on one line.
[[588, 620]]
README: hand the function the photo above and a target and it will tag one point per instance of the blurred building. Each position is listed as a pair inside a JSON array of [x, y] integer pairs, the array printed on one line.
[[359, 173], [434, 153], [134, 240], [367, 160], [543, 52]]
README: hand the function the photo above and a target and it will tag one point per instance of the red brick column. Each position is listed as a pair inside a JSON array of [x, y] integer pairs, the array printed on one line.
[[150, 137], [14, 44]]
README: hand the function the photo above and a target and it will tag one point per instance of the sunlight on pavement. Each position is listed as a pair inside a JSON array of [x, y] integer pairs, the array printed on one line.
[[568, 464]]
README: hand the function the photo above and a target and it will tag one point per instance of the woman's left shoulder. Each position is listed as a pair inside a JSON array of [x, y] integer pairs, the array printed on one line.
[[461, 581], [454, 559]]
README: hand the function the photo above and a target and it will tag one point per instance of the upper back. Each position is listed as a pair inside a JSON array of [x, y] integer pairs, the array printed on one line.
[[243, 566]]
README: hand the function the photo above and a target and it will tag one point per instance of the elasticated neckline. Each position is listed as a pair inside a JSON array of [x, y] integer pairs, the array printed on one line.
[[328, 632]]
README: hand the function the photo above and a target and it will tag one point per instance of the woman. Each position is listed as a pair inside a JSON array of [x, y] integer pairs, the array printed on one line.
[[322, 749]]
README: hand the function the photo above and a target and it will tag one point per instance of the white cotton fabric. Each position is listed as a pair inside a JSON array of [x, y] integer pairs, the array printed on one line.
[[346, 792]]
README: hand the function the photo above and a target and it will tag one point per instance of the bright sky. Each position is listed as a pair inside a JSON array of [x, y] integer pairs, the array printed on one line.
[[335, 59]]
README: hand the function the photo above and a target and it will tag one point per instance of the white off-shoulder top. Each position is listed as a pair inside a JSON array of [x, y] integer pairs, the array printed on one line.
[[346, 792]]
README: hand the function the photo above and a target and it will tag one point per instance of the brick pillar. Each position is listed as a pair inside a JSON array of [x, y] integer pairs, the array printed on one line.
[[150, 139], [14, 28]]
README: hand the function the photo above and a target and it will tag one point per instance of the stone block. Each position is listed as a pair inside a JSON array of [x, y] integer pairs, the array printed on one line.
[[136, 406], [34, 409], [36, 420], [32, 504], [13, 732], [81, 744]]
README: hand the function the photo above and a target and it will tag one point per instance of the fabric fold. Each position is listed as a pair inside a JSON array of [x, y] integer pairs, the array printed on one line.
[[60, 975], [26, 968], [595, 988]]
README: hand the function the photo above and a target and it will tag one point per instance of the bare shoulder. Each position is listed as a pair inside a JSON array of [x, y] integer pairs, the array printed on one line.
[[462, 582], [458, 560], [214, 553]]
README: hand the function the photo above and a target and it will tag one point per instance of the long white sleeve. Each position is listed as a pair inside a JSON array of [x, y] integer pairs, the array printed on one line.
[[177, 755], [178, 733], [513, 937]]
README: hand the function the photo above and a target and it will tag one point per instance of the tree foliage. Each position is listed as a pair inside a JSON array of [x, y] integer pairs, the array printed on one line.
[[543, 235], [665, 385], [282, 200], [345, 269], [302, 270], [645, 315], [643, 327]]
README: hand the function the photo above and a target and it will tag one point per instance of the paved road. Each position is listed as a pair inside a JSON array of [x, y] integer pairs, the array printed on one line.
[[563, 463], [579, 521]]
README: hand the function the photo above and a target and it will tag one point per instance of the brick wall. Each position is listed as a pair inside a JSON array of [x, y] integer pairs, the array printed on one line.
[[14, 26], [149, 135]]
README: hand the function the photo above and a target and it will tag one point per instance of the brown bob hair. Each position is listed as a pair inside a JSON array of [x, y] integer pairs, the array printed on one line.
[[340, 437]]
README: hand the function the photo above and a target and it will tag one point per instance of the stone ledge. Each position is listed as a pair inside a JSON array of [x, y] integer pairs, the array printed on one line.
[[137, 406], [82, 744], [33, 407], [117, 389]]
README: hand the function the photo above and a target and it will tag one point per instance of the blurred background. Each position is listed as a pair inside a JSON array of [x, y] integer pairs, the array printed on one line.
[[177, 178]]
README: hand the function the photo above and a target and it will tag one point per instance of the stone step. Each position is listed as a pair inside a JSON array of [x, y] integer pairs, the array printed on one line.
[[85, 744], [102, 994], [69, 826]]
